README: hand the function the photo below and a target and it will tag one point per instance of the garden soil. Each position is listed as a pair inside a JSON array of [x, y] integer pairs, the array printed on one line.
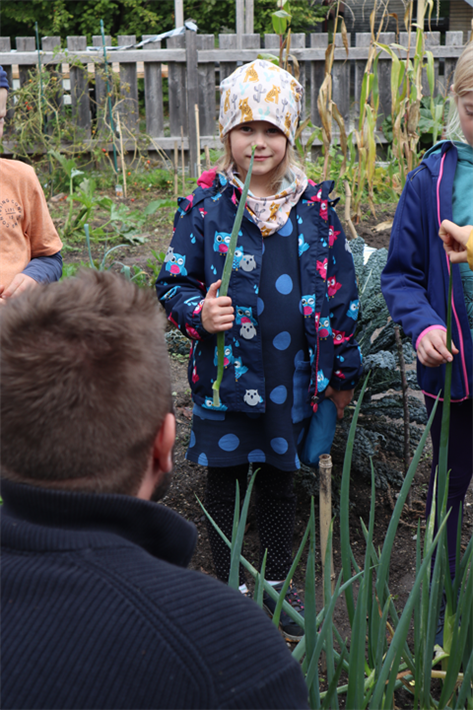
[[189, 479]]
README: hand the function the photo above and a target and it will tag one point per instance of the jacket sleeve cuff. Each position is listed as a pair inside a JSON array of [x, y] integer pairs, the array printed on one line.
[[194, 328], [426, 330]]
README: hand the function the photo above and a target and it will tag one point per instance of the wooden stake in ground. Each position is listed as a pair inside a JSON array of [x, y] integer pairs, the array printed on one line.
[[183, 162], [122, 154], [325, 518], [325, 511], [176, 178], [197, 131], [405, 402], [207, 157]]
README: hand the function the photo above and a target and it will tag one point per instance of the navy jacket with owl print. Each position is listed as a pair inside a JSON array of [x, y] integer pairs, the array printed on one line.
[[329, 301]]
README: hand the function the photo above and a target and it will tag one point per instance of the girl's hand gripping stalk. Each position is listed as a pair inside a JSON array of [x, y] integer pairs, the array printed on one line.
[[217, 311]]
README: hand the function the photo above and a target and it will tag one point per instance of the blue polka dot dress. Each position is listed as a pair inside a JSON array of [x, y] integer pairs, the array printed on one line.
[[273, 437]]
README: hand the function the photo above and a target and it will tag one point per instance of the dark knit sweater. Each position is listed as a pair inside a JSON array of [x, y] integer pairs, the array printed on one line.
[[98, 612]]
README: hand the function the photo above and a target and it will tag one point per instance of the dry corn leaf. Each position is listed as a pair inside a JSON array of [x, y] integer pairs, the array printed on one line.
[[329, 58], [383, 225], [343, 135], [344, 36], [325, 93], [301, 128]]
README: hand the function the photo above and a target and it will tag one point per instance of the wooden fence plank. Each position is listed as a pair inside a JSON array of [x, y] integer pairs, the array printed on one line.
[[452, 39], [179, 12], [384, 77], [206, 87], [48, 44], [362, 39], [177, 89], [249, 17], [298, 42], [79, 88], [341, 81], [128, 108], [227, 67], [318, 40], [272, 43], [192, 100], [227, 43], [432, 40], [251, 41], [240, 22], [25, 44], [101, 98], [154, 93]]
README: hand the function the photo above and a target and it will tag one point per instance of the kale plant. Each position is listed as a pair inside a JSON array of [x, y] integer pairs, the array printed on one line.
[[380, 432]]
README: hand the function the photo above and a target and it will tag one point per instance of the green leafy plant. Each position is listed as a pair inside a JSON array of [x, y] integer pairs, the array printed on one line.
[[120, 221], [133, 273]]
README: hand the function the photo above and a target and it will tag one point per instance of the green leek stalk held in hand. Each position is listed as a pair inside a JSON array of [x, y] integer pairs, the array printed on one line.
[[445, 426], [227, 271]]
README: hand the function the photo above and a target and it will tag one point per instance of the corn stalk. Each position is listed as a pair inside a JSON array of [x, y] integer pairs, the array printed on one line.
[[327, 108], [365, 134], [406, 93]]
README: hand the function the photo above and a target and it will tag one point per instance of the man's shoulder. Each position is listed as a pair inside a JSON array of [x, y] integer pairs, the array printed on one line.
[[223, 639]]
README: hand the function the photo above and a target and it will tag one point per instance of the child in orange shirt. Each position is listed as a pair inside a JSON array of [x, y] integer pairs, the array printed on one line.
[[29, 244]]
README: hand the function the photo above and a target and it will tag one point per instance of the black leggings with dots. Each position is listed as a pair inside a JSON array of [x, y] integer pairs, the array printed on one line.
[[275, 514]]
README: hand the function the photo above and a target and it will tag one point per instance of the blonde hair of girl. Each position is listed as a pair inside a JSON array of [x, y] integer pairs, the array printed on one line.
[[226, 161], [463, 83]]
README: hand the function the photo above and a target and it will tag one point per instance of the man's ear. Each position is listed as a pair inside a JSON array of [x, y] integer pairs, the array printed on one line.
[[160, 460], [164, 444]]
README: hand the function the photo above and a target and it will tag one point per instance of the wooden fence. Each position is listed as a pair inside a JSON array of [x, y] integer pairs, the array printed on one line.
[[194, 68]]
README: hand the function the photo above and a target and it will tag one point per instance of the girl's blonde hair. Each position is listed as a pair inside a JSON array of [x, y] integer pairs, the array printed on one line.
[[462, 84], [290, 159]]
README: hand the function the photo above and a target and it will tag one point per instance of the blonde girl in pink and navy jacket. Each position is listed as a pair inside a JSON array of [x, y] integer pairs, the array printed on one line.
[[415, 286]]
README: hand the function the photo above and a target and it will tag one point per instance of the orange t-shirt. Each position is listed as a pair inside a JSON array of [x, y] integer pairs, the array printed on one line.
[[26, 227]]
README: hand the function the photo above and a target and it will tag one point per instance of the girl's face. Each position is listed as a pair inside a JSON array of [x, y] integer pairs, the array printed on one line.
[[270, 150], [465, 113]]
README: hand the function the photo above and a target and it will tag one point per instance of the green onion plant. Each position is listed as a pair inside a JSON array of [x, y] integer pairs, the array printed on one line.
[[377, 660], [227, 272]]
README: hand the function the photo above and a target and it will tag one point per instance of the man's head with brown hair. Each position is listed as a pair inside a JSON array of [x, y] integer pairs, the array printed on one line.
[[85, 385]]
